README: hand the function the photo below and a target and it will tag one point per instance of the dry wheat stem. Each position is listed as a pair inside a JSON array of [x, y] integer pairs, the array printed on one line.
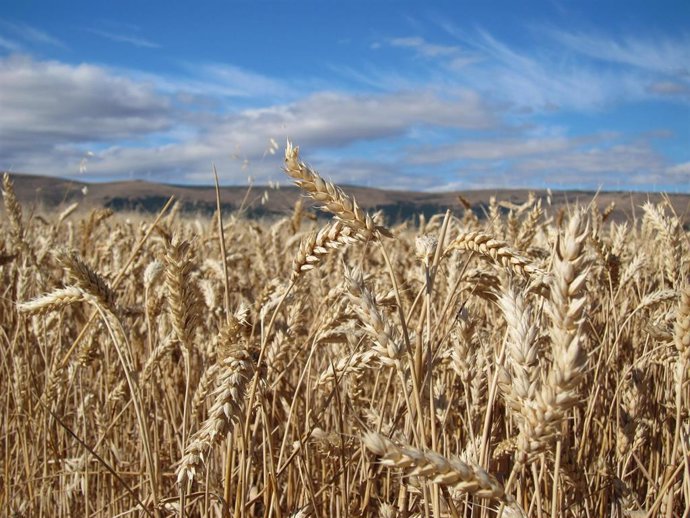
[[681, 339], [118, 335]]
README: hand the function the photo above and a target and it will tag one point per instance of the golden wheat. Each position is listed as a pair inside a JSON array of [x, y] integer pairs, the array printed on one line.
[[548, 347]]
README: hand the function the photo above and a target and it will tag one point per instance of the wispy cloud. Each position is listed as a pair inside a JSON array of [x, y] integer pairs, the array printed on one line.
[[491, 149], [440, 127], [605, 160], [598, 162], [372, 76], [31, 34], [130, 39], [681, 170], [671, 88], [574, 71], [10, 45], [661, 54], [232, 81], [453, 56], [542, 81], [423, 47]]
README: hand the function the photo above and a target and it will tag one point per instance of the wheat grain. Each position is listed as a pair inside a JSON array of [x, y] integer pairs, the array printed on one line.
[[228, 401], [437, 468], [333, 198], [499, 251]]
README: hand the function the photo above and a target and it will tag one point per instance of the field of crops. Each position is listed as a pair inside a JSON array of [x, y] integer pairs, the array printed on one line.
[[531, 362]]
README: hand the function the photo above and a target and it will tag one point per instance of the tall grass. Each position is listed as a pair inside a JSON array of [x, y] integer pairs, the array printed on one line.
[[531, 363]]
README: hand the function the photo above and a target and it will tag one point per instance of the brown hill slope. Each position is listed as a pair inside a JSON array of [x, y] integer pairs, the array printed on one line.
[[45, 194]]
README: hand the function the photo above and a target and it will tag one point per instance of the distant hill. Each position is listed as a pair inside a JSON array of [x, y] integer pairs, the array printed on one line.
[[45, 194]]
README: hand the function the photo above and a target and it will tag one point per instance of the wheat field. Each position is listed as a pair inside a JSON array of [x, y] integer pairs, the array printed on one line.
[[530, 363]]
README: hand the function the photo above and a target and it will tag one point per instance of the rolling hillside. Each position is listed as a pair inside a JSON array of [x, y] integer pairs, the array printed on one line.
[[44, 194]]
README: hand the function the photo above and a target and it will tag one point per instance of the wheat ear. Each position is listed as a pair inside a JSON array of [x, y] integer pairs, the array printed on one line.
[[521, 349], [13, 209], [333, 198], [544, 414], [87, 279], [184, 299], [228, 401], [51, 301], [317, 245], [388, 344], [499, 251], [437, 468]]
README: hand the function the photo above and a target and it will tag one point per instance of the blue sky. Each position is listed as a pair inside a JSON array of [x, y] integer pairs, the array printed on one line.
[[386, 93]]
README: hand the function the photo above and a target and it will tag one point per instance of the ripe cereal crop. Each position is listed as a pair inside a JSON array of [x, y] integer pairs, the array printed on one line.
[[520, 363]]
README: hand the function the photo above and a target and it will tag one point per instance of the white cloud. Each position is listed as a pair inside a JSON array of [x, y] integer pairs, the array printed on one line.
[[661, 54], [338, 118], [31, 34], [672, 88], [56, 111], [10, 45], [492, 149], [598, 162], [682, 170], [130, 39], [49, 103], [324, 120]]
